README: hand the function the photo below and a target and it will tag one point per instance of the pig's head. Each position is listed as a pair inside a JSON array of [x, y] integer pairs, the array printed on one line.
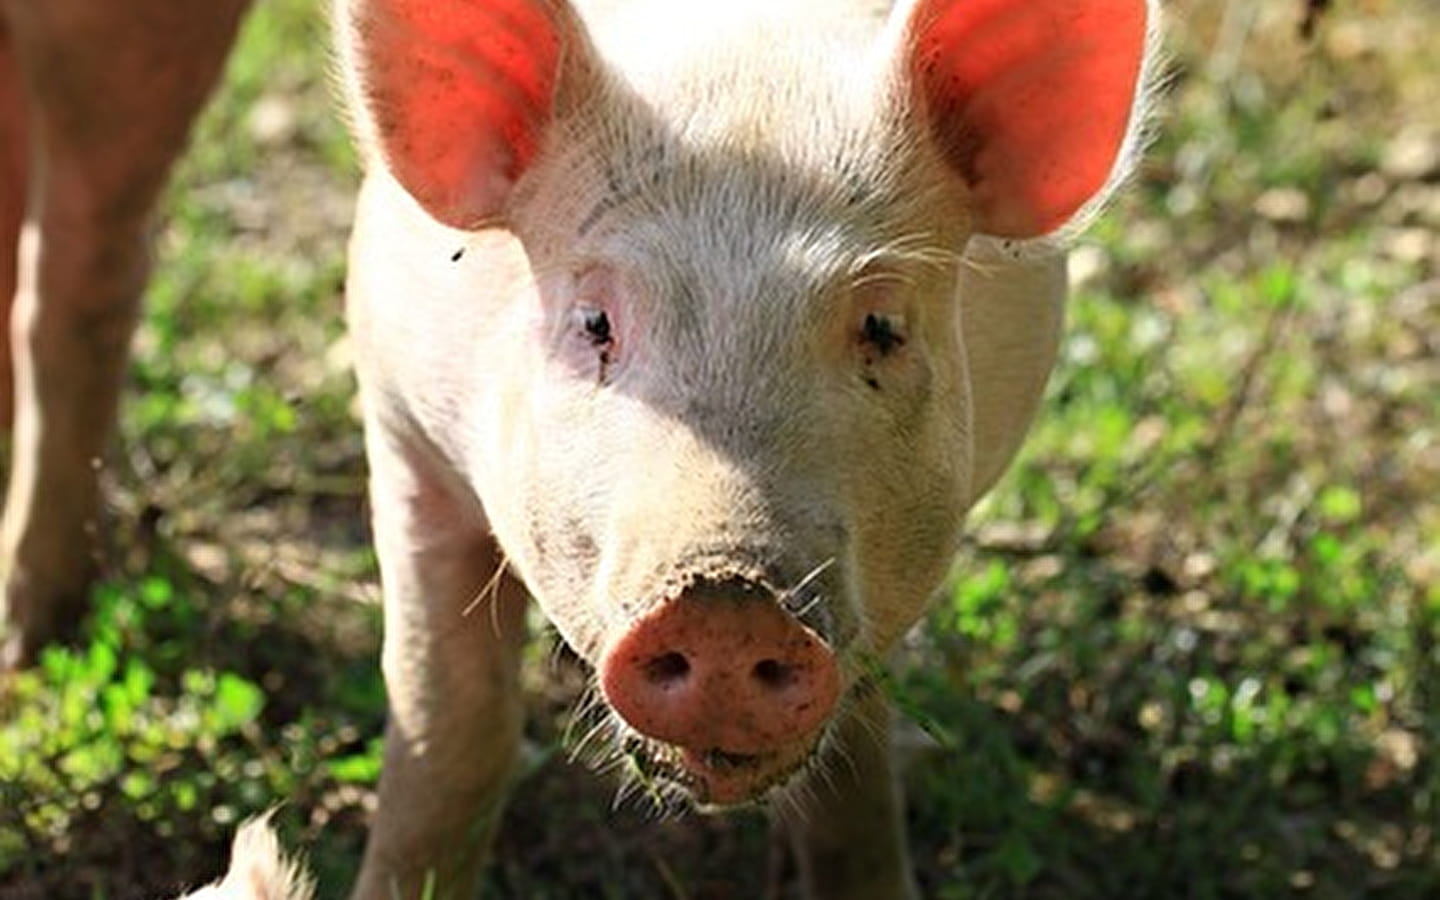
[[734, 444]]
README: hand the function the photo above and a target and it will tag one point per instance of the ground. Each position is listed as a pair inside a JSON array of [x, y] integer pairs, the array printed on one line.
[[1190, 649]]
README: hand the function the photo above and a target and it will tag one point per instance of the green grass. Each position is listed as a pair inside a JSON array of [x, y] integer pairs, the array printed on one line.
[[1191, 650]]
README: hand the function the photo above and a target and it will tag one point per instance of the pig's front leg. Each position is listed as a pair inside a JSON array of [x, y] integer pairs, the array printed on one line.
[[453, 632], [849, 832]]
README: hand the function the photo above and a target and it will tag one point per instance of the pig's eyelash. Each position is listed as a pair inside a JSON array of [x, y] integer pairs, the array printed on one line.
[[892, 258], [881, 276]]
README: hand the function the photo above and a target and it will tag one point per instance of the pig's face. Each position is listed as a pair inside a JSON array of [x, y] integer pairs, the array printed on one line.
[[747, 368], [778, 398], [735, 446]]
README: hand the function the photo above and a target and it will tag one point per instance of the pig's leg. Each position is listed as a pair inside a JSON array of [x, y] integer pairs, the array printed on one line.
[[14, 152], [111, 89], [453, 631], [849, 829]]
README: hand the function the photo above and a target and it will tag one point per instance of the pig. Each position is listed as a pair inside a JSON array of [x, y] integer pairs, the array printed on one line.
[[704, 324]]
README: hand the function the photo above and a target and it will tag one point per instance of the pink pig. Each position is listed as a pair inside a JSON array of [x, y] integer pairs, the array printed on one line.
[[682, 315], [704, 324]]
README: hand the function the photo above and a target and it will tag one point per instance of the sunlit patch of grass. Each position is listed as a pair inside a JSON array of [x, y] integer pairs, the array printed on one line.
[[1201, 609]]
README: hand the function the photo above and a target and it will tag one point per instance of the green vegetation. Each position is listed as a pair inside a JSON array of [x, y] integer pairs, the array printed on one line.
[[1193, 649]]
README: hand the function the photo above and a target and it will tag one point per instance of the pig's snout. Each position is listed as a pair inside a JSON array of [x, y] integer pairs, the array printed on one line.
[[722, 672]]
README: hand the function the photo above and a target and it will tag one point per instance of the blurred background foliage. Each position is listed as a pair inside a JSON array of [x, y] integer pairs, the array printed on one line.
[[1190, 650]]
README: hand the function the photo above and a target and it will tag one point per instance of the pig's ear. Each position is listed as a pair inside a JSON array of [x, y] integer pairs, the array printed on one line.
[[1033, 103], [456, 95]]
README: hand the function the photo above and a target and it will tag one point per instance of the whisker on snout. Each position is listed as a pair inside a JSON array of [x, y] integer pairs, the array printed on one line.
[[637, 781], [557, 653], [578, 750], [809, 606], [591, 712], [785, 805], [798, 591], [628, 786], [792, 803], [810, 576], [586, 705], [609, 747], [820, 770]]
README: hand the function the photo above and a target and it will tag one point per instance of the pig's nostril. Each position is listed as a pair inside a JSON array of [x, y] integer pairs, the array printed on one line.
[[774, 674], [667, 669]]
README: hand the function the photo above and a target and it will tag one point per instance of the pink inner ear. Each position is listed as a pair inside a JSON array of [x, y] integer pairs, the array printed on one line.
[[1029, 100], [460, 93]]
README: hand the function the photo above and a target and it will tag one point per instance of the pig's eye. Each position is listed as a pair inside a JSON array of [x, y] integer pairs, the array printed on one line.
[[883, 332], [593, 335], [596, 324]]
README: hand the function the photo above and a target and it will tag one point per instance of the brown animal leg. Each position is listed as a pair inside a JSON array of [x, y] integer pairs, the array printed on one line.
[[14, 154], [111, 90]]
